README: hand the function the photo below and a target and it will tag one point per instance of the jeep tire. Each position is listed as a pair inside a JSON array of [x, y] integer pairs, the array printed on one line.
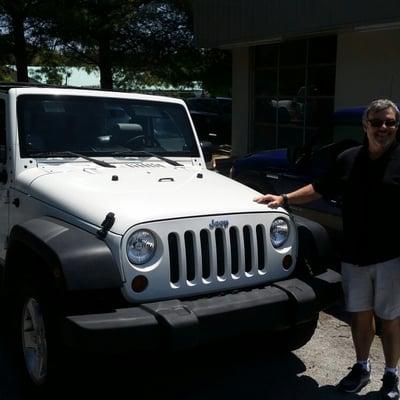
[[34, 344]]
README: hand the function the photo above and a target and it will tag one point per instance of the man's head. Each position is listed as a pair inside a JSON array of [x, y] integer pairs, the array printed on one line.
[[380, 123]]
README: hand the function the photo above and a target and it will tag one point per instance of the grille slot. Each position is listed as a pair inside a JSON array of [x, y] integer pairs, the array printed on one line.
[[234, 240], [219, 242], [190, 256], [247, 249], [260, 232], [173, 257], [221, 254], [205, 253]]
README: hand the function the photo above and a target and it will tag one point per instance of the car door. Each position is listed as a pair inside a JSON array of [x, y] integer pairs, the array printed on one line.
[[4, 181]]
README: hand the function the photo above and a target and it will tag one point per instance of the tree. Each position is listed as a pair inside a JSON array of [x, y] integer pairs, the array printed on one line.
[[13, 18], [131, 42], [89, 33], [162, 38], [23, 26]]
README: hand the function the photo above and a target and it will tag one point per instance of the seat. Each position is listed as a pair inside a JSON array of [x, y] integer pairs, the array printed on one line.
[[128, 135]]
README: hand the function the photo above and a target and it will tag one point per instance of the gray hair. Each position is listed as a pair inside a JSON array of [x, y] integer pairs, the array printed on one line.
[[379, 105]]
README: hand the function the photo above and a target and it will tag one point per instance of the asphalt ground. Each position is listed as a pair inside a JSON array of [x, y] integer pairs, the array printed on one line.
[[309, 373]]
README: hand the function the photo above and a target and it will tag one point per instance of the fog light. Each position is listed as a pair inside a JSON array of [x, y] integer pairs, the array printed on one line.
[[139, 283], [287, 261]]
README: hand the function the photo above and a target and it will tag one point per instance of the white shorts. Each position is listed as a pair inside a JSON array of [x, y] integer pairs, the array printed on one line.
[[373, 287]]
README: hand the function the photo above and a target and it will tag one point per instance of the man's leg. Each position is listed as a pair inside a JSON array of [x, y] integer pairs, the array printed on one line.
[[363, 331], [391, 350], [387, 307], [358, 291], [391, 342]]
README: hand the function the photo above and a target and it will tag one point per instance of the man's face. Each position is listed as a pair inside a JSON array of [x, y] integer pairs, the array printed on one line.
[[381, 128]]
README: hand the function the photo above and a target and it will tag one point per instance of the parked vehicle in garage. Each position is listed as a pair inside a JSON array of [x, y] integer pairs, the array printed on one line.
[[212, 118], [116, 238]]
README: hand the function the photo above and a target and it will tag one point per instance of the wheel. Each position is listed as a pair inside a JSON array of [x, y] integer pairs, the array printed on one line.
[[34, 341], [34, 344]]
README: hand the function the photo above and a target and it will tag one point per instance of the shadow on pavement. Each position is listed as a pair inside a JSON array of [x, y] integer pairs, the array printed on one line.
[[193, 375], [338, 311]]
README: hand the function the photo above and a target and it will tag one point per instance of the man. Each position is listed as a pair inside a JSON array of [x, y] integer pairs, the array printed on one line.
[[368, 179]]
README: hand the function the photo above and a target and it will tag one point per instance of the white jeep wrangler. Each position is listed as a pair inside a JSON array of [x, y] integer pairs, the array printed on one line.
[[114, 236]]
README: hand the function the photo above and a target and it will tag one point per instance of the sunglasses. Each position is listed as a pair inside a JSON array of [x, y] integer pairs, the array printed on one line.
[[377, 123]]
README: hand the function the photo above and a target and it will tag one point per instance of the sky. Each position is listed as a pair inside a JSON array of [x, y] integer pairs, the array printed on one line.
[[79, 77]]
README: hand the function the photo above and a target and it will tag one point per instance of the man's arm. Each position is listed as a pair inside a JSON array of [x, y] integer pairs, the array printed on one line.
[[303, 195]]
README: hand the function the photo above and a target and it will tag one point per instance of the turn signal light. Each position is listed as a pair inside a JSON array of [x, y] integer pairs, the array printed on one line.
[[287, 261], [139, 283]]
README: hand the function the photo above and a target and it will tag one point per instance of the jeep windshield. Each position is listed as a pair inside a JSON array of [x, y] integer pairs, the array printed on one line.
[[103, 127]]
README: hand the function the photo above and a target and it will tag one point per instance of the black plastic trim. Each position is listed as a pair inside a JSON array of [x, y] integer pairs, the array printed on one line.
[[174, 324], [315, 245], [85, 261]]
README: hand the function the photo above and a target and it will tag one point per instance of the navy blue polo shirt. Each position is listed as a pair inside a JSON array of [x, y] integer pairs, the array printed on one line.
[[370, 191]]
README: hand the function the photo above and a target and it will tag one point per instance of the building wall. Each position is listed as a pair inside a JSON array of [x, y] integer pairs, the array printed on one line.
[[368, 67], [229, 23]]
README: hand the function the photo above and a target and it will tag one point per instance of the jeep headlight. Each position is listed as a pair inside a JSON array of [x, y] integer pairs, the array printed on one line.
[[141, 247], [279, 232]]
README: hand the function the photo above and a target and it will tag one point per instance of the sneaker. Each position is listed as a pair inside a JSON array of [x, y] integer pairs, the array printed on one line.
[[390, 386], [355, 380]]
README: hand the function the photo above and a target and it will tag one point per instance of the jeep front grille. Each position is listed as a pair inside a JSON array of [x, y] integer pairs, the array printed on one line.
[[218, 254], [209, 254]]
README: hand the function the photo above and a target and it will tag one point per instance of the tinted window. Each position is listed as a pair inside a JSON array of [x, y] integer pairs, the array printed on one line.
[[226, 106], [294, 84], [208, 105], [102, 126]]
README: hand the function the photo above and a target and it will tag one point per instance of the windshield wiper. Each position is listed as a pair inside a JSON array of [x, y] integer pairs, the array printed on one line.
[[73, 154], [146, 153]]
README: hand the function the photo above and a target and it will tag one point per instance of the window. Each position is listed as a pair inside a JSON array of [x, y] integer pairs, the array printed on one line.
[[102, 126], [294, 84]]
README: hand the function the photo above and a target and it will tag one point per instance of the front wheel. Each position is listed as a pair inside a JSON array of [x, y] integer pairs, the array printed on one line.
[[34, 341], [34, 344]]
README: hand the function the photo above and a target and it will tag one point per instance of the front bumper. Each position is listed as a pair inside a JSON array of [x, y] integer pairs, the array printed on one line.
[[176, 324]]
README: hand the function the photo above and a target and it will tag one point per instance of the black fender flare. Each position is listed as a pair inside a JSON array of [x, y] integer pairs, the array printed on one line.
[[315, 250], [79, 258]]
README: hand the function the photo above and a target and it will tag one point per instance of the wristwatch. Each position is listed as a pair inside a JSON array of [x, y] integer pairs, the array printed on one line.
[[285, 200]]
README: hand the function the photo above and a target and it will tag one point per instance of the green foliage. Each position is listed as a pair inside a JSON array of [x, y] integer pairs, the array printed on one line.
[[6, 74], [132, 42]]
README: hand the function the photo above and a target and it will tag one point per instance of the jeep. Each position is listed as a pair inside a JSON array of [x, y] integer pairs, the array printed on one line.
[[115, 236]]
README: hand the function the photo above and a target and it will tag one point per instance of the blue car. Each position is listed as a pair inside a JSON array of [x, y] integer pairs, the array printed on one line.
[[284, 170]]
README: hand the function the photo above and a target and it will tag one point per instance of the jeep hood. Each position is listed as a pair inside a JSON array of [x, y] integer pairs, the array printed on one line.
[[137, 193]]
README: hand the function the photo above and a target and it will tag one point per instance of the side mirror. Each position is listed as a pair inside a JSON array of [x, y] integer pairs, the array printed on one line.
[[207, 148]]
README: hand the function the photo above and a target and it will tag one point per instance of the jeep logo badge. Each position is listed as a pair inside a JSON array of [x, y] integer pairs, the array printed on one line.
[[219, 224]]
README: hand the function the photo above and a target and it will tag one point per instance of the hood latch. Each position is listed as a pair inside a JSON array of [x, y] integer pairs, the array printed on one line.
[[106, 225]]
